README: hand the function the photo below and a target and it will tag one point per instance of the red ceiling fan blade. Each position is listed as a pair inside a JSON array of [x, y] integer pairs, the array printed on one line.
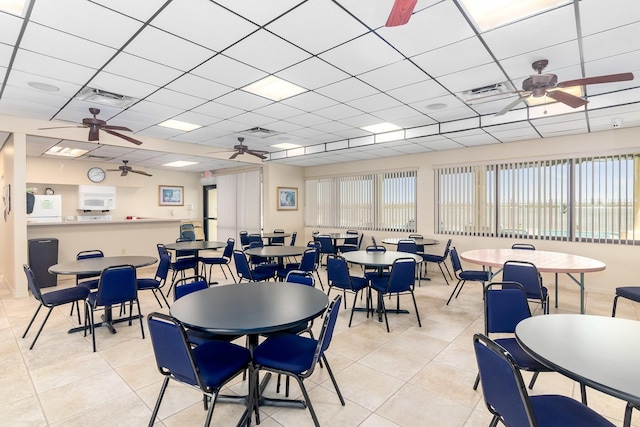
[[401, 12], [125, 137], [622, 77], [566, 98]]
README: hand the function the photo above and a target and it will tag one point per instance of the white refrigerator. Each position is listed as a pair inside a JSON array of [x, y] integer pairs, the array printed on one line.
[[46, 209]]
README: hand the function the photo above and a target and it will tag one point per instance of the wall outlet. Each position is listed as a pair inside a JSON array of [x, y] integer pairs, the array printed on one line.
[[189, 207]]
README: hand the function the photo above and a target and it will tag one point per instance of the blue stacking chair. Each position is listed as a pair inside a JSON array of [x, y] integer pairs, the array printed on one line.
[[184, 260], [351, 244], [505, 305], [372, 272], [222, 261], [277, 241], [156, 283], [307, 263], [51, 300], [297, 356], [207, 367], [527, 275], [409, 246], [440, 260], [244, 239], [400, 281], [464, 275], [118, 285], [507, 400], [89, 281], [338, 277], [244, 271], [326, 245]]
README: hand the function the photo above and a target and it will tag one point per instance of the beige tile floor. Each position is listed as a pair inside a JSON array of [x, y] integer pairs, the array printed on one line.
[[412, 376]]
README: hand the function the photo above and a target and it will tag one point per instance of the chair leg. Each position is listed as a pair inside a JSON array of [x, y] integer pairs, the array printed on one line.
[[353, 307], [77, 304], [476, 382], [308, 401], [158, 401], [41, 326], [384, 310], [333, 379], [156, 296], [32, 319], [494, 421], [454, 291], [583, 393], [615, 303], [442, 271], [462, 285], [415, 305], [139, 316], [533, 379], [207, 422], [627, 415], [230, 272], [163, 297], [93, 330]]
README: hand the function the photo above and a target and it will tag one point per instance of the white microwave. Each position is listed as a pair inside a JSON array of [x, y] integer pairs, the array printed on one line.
[[96, 197]]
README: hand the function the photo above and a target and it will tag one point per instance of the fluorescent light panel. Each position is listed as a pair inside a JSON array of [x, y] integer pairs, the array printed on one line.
[[274, 88], [286, 145], [177, 124], [573, 90], [65, 151], [15, 7], [381, 128], [180, 164], [488, 14]]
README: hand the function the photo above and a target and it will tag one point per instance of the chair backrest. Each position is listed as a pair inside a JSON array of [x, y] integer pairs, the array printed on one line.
[[293, 238], [228, 250], [338, 272], [242, 265], [256, 259], [163, 266], [185, 253], [419, 248], [187, 231], [403, 273], [244, 238], [373, 241], [526, 274], [527, 246], [309, 260], [360, 241], [32, 283], [502, 385], [504, 307], [455, 260], [376, 248], [255, 237], [326, 244], [447, 248], [188, 285], [117, 284], [316, 245], [300, 277], [326, 334], [92, 253], [408, 246], [278, 240], [172, 350], [351, 240]]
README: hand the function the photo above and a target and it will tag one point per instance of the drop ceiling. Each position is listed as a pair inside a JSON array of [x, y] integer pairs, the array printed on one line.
[[188, 60]]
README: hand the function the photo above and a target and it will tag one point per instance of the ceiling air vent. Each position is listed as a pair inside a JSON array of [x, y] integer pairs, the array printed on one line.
[[259, 132], [487, 93], [103, 97]]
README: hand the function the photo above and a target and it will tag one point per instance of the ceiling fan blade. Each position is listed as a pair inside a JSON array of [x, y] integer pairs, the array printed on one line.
[[401, 12], [234, 155], [113, 170], [566, 98], [94, 134], [125, 137], [508, 108], [254, 153], [140, 172], [62, 127], [117, 128], [610, 78]]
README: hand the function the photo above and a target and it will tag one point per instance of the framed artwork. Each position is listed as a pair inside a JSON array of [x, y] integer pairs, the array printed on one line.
[[287, 199], [170, 195]]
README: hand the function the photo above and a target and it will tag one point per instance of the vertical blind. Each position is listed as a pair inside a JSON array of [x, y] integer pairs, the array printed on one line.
[[382, 201], [239, 203]]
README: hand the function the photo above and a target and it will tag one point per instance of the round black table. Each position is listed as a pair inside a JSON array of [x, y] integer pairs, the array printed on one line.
[[276, 252], [596, 351], [251, 309], [95, 266], [419, 242], [196, 245]]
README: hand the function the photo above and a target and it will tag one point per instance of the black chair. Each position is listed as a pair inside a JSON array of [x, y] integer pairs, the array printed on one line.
[[89, 281], [244, 271], [420, 248], [51, 300], [260, 262], [297, 356], [338, 276], [464, 275], [372, 272], [507, 400], [629, 292], [527, 275], [504, 308], [400, 281], [326, 245], [277, 241], [410, 247], [184, 260], [156, 283], [208, 367], [222, 261], [440, 260], [118, 285]]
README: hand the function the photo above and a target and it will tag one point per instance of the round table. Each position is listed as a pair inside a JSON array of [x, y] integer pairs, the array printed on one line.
[[596, 351], [276, 252], [545, 262], [419, 242], [196, 245]]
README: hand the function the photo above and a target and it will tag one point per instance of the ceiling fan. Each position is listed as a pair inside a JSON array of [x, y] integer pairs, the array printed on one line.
[[539, 85], [400, 12], [96, 125], [242, 149], [125, 169]]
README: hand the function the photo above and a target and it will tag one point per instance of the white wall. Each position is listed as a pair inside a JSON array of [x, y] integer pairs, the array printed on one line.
[[274, 176]]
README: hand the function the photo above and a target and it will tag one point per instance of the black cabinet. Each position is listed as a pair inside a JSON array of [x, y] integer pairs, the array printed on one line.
[[43, 253]]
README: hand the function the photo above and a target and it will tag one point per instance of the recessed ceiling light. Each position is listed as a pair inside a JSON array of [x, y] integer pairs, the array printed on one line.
[[15, 7], [43, 86], [573, 90], [274, 88], [180, 164], [286, 145], [436, 106], [65, 151], [177, 124], [492, 14], [381, 127]]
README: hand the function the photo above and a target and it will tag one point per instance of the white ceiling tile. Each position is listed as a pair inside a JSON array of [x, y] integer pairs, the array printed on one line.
[[458, 56], [362, 120], [203, 22], [438, 143], [47, 41], [11, 26], [87, 20], [175, 99], [312, 74], [159, 111], [396, 113], [429, 29], [251, 120], [121, 85], [607, 100], [413, 121], [26, 109], [160, 132], [362, 54], [6, 52], [259, 11], [480, 76], [215, 109], [283, 126], [302, 27], [228, 72], [379, 101], [307, 119], [333, 127], [198, 86], [34, 96], [452, 114], [278, 110], [142, 10], [243, 100], [309, 101], [607, 43], [338, 112], [164, 48], [546, 29], [136, 116], [347, 90], [51, 67], [266, 52], [428, 89], [140, 69], [597, 16], [21, 79], [626, 62], [200, 135], [559, 56], [395, 75]]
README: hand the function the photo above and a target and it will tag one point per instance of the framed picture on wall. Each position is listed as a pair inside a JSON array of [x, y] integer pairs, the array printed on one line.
[[170, 195], [287, 199]]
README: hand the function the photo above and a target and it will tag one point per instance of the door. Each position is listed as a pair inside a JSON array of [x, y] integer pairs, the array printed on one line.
[[210, 214]]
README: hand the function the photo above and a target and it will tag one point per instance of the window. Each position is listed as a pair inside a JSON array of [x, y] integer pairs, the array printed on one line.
[[590, 199], [384, 201]]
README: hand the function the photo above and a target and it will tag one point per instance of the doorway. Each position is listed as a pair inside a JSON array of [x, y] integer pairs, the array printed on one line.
[[210, 214]]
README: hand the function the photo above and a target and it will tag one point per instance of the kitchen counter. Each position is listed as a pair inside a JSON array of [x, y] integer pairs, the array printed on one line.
[[104, 222]]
